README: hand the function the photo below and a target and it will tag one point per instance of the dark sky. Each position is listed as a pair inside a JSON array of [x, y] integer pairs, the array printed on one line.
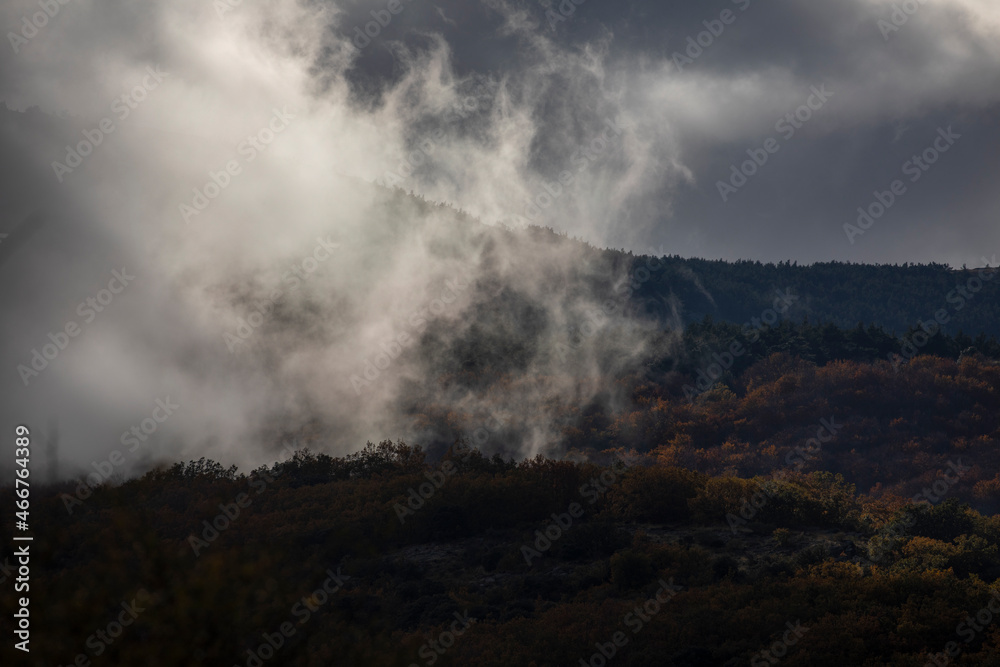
[[894, 86]]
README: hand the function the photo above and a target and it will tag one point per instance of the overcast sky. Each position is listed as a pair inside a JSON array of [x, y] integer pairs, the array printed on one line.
[[694, 109], [895, 80], [648, 111]]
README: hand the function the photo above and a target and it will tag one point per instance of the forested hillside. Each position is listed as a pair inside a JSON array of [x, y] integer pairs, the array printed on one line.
[[387, 558], [500, 333], [727, 494], [893, 297]]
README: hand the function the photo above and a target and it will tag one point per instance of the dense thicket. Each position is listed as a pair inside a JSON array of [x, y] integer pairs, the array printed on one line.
[[892, 297], [812, 554]]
